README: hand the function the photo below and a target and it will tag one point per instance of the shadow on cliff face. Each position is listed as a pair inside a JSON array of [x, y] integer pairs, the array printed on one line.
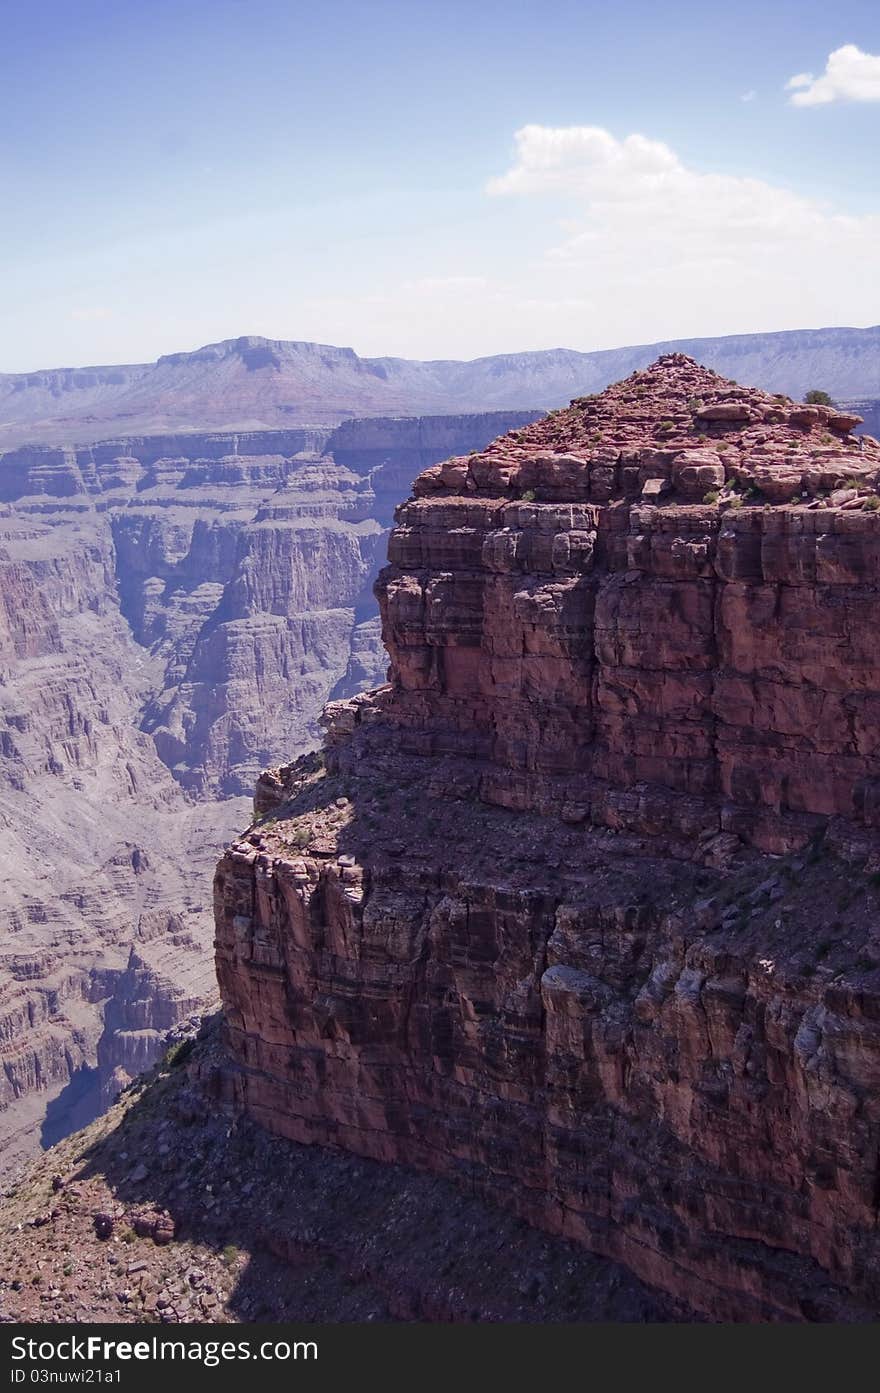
[[241, 1225], [78, 1104]]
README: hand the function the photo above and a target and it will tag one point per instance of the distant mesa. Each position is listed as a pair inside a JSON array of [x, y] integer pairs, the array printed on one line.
[[252, 383]]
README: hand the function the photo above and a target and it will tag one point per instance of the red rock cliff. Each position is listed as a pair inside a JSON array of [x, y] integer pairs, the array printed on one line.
[[582, 909]]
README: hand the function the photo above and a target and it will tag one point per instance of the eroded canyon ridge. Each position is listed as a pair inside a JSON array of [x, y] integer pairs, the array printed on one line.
[[173, 611], [581, 909]]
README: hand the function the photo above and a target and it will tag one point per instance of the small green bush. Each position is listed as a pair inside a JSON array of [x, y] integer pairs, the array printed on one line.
[[178, 1054], [816, 397]]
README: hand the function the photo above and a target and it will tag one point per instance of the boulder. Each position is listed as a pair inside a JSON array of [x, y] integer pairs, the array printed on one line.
[[844, 421], [778, 485], [697, 472], [725, 411]]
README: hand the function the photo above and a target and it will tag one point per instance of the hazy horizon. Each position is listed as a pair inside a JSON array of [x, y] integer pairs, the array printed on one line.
[[433, 358]]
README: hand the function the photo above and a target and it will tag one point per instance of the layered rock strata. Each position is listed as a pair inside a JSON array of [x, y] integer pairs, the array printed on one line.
[[582, 908], [105, 864], [173, 612], [243, 565]]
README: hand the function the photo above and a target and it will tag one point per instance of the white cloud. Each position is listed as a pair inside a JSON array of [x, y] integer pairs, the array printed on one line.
[[662, 250], [90, 313], [446, 285], [581, 159], [591, 241], [749, 96], [850, 76]]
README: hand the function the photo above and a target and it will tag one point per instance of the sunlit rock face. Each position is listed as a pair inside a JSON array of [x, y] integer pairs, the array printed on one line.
[[660, 598]]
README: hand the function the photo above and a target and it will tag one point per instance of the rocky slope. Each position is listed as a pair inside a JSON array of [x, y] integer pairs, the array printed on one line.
[[173, 1208], [250, 383], [173, 613], [582, 910]]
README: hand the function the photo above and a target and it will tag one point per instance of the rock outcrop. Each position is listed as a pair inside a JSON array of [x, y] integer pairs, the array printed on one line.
[[582, 909], [173, 612]]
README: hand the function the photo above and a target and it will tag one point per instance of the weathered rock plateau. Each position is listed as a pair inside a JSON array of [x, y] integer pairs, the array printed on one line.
[[582, 908]]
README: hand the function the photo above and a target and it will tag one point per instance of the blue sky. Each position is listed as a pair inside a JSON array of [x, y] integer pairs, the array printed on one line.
[[432, 180]]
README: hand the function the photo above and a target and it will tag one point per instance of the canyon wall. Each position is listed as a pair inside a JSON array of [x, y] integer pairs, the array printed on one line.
[[582, 909], [94, 828], [174, 611]]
